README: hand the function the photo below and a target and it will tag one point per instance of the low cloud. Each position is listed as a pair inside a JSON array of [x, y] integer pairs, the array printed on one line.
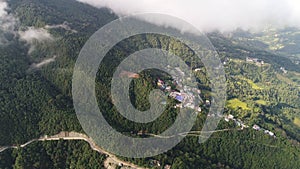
[[211, 15], [64, 26], [43, 63], [7, 22], [35, 35]]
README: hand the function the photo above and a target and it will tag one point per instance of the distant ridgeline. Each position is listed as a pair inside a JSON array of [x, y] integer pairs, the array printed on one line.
[[39, 102]]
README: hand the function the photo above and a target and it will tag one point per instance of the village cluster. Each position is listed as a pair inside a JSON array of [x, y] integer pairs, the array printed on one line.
[[187, 95], [257, 61], [258, 128], [260, 62], [238, 122], [241, 124], [187, 99], [283, 70]]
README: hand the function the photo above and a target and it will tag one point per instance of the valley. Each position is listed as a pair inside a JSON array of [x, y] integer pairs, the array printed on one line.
[[263, 89]]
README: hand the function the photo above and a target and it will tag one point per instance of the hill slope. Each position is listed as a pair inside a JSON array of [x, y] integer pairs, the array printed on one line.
[[36, 102]]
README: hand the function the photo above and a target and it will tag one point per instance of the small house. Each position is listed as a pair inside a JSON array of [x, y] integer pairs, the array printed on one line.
[[230, 116], [256, 127], [167, 166], [179, 98], [168, 88], [207, 103], [271, 134]]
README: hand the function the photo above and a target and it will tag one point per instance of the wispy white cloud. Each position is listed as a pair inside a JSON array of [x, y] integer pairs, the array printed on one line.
[[43, 63], [209, 15], [7, 21], [35, 35], [3, 7], [64, 25]]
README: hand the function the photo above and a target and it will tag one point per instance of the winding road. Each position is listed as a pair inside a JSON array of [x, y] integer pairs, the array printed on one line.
[[111, 158], [75, 136]]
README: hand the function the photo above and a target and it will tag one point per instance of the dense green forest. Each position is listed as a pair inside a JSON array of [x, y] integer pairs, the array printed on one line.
[[38, 102], [53, 154]]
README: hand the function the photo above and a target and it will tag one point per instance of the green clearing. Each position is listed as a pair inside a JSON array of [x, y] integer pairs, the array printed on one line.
[[253, 85], [284, 79], [261, 102], [236, 103], [295, 77], [297, 121]]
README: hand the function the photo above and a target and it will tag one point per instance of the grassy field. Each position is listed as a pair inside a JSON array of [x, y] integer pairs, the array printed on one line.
[[284, 79], [297, 121], [253, 85], [295, 77], [235, 103], [261, 102]]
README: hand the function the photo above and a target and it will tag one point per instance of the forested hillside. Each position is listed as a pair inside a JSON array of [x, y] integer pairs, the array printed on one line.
[[37, 101], [58, 154]]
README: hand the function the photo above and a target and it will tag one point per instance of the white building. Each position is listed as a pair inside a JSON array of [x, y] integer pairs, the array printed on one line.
[[256, 127]]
